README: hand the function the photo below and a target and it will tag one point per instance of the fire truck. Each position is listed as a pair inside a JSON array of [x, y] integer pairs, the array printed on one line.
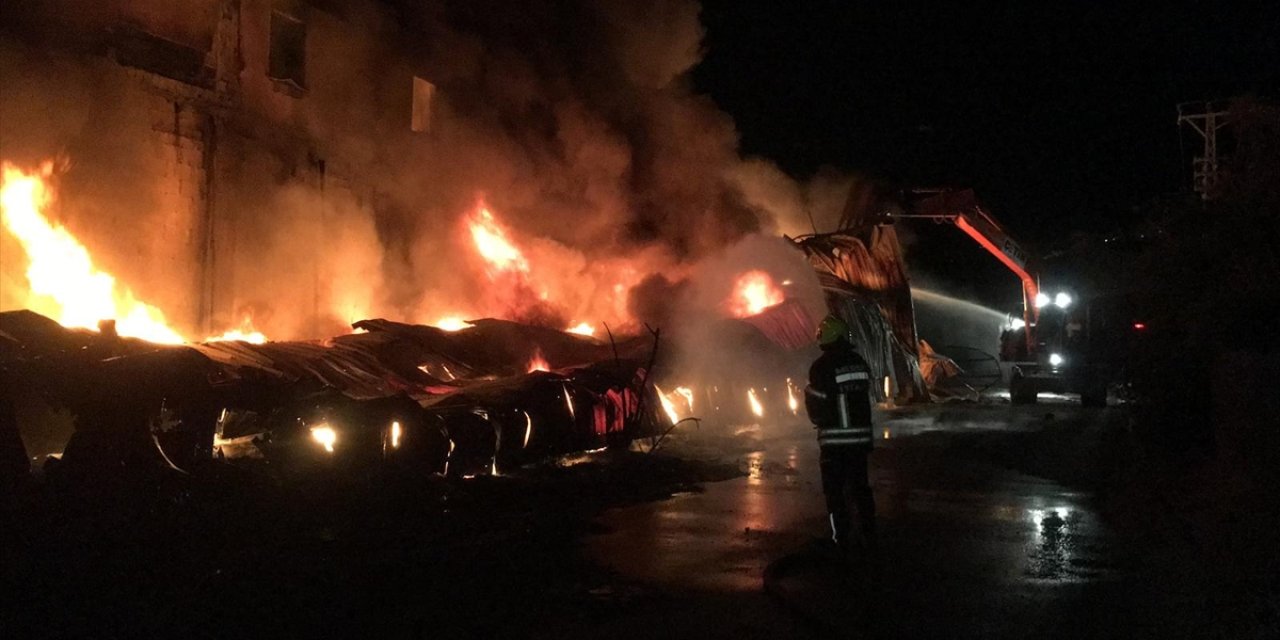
[[1062, 340]]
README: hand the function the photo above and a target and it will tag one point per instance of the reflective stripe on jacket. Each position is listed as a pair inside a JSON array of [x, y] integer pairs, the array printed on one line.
[[844, 436], [838, 398]]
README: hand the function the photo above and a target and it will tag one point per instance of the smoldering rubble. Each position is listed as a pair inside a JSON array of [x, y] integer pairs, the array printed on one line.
[[480, 400]]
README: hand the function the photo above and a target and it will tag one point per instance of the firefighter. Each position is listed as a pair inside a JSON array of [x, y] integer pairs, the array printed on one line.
[[838, 400]]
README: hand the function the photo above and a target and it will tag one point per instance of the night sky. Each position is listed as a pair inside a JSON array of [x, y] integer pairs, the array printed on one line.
[[1061, 115]]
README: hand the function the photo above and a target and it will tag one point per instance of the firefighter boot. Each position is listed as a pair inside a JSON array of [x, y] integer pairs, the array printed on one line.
[[841, 531]]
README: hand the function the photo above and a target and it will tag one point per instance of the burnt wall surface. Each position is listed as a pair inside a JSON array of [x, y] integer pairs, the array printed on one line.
[[194, 175], [310, 162]]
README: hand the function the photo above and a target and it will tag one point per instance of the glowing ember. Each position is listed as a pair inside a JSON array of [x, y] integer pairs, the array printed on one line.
[[753, 292], [568, 401], [64, 283], [582, 329], [245, 333], [756, 407], [494, 246], [325, 435], [792, 403], [451, 323], [538, 363], [667, 405]]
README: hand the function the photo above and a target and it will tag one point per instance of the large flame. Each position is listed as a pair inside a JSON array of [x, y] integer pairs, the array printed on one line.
[[544, 282], [753, 292], [494, 246], [540, 282], [65, 284]]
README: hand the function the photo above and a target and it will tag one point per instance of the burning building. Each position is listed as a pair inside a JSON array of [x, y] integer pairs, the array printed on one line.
[[283, 169], [301, 165]]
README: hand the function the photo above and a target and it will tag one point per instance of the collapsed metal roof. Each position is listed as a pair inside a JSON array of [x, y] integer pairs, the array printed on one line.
[[864, 277], [382, 359]]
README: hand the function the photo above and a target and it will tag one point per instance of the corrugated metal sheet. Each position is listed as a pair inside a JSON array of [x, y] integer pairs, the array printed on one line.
[[865, 281], [789, 324]]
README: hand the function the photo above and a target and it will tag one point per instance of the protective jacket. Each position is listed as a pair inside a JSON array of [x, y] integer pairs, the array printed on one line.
[[838, 398]]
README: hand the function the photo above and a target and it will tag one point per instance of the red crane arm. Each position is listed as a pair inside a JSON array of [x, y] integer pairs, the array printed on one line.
[[962, 209], [1030, 288]]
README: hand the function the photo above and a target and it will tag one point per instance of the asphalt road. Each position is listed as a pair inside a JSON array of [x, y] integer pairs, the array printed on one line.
[[970, 547], [993, 522]]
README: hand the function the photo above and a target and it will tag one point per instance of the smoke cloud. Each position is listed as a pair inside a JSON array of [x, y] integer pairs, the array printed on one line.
[[573, 121]]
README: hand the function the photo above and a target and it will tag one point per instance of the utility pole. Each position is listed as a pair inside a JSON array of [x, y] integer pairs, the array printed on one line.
[[1206, 118]]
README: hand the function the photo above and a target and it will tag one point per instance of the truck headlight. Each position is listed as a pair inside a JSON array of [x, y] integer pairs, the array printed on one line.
[[1055, 359], [1042, 299], [325, 435], [1062, 300]]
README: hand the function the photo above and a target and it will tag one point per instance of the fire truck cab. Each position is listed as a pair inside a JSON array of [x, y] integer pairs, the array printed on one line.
[[1056, 352]]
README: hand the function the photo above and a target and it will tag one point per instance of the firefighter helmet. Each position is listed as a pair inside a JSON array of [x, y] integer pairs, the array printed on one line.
[[832, 330]]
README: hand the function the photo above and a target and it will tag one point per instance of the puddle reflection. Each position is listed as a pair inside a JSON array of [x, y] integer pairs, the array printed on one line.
[[1053, 542]]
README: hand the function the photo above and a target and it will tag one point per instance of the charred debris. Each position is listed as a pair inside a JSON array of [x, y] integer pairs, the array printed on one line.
[[485, 399]]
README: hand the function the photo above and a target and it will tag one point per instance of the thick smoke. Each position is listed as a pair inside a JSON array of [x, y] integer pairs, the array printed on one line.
[[593, 141], [573, 121], [582, 115]]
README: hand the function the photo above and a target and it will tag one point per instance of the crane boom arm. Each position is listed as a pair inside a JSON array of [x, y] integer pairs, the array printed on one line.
[[1005, 249], [961, 208]]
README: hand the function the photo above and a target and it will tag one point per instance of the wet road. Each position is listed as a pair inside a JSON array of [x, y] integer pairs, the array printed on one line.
[[969, 548]]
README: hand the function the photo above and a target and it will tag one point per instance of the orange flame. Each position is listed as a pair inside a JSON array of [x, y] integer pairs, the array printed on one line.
[[538, 363], [582, 329], [792, 402], [753, 292], [494, 246], [530, 279], [244, 333], [451, 323], [64, 282], [687, 394], [667, 405]]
